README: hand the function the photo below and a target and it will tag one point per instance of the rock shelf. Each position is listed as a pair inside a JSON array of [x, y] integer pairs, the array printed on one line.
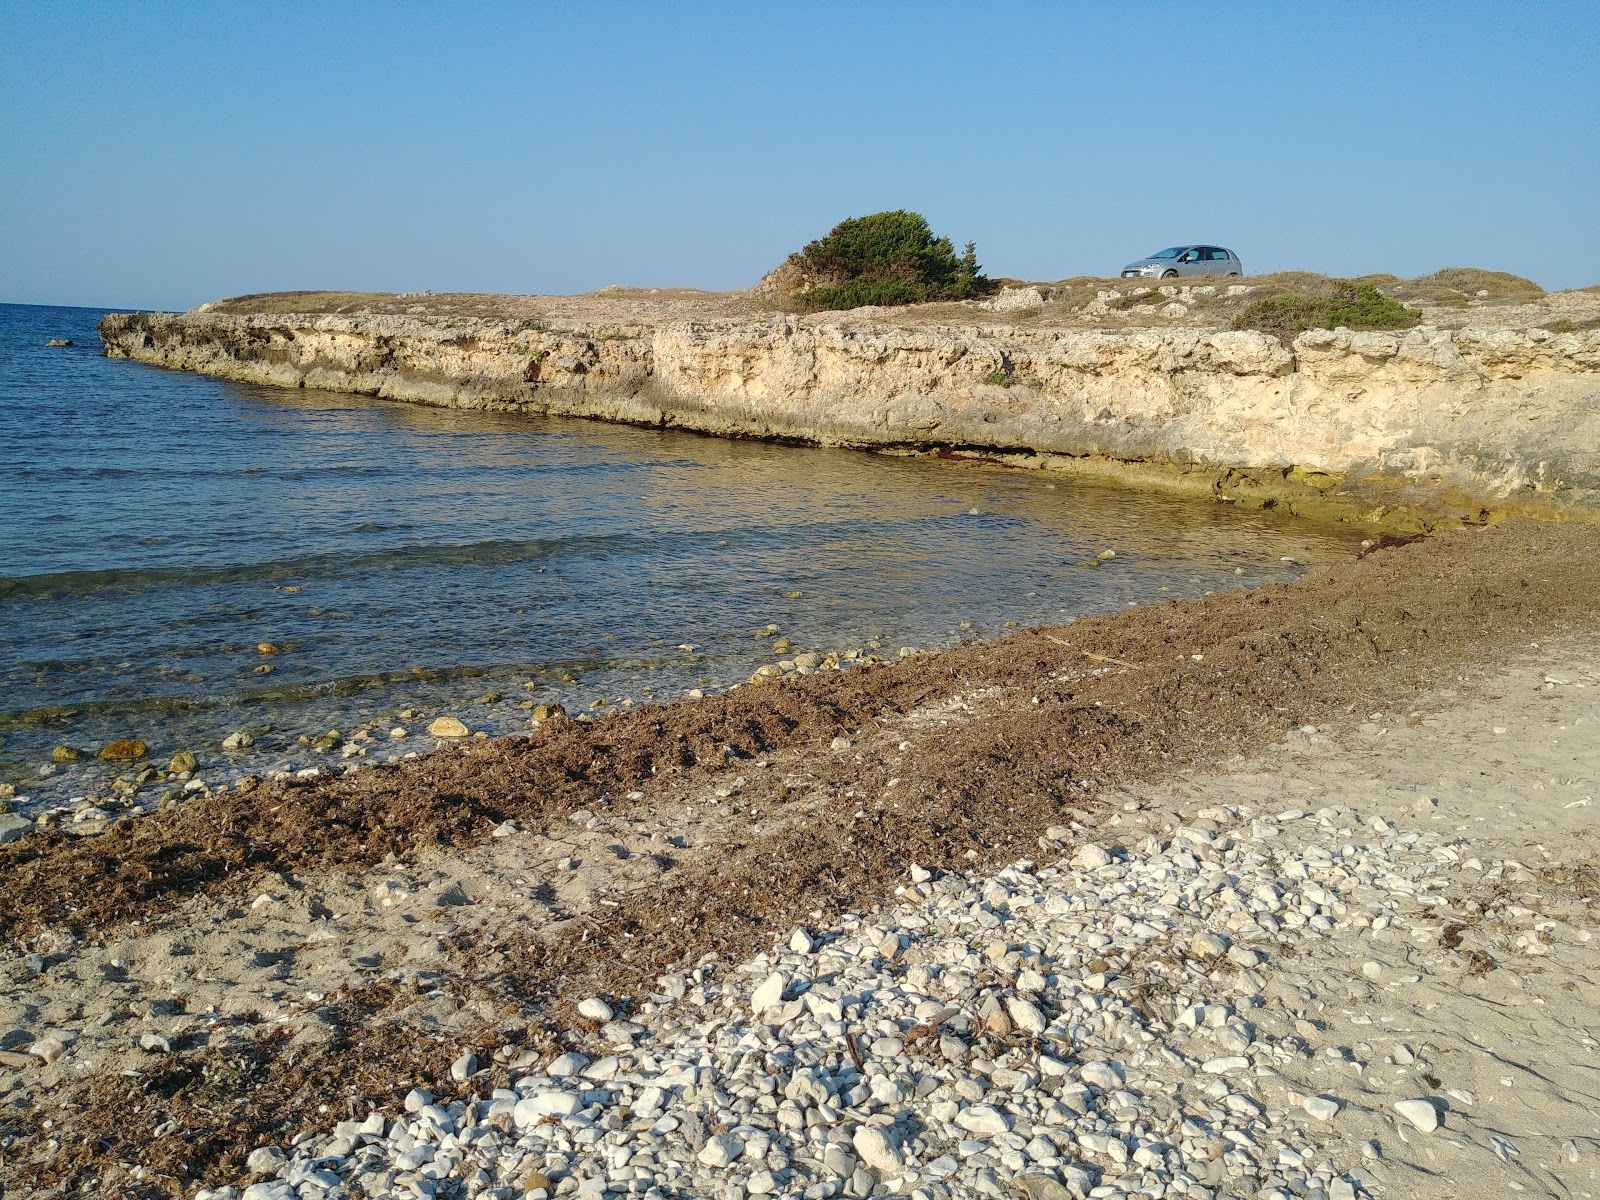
[[1429, 426]]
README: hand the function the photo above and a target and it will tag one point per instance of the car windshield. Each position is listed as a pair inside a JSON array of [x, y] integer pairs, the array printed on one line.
[[1169, 252]]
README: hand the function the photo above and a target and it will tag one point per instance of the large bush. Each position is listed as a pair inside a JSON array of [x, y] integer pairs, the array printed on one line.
[[885, 258], [1348, 303]]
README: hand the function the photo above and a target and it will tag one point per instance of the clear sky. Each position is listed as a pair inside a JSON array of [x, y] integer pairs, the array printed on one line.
[[158, 155]]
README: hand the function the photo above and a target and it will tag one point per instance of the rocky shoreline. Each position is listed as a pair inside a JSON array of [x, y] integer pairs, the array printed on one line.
[[1436, 425], [200, 998], [125, 779]]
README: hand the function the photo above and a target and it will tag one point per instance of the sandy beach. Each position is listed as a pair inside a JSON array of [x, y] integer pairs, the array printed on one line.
[[248, 971]]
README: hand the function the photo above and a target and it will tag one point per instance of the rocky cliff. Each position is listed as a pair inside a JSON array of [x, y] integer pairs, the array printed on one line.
[[1401, 428]]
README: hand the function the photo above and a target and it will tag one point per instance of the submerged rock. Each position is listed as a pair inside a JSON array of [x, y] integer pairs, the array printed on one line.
[[125, 750]]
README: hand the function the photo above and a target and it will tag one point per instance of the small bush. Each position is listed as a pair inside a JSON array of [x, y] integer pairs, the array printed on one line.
[[1341, 302], [885, 258]]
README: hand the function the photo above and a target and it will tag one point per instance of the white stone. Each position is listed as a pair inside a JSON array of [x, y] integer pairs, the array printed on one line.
[[721, 1149], [535, 1108], [1420, 1113], [1101, 1075], [265, 1160], [769, 993], [1091, 857], [1026, 1015], [568, 1064], [877, 1150], [1206, 944], [1320, 1107], [595, 1009], [984, 1120]]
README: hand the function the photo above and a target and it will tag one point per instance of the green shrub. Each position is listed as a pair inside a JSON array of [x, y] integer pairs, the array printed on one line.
[[886, 258], [1342, 302]]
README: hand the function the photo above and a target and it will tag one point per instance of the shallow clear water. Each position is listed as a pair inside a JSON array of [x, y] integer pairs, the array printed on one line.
[[156, 527]]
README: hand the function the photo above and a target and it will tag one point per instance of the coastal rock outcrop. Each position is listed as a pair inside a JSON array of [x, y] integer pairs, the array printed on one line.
[[1446, 420]]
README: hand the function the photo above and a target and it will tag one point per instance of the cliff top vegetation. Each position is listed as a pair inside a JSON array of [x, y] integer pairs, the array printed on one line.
[[1451, 298], [884, 258]]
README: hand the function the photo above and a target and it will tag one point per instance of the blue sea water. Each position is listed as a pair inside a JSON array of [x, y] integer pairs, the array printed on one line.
[[157, 527]]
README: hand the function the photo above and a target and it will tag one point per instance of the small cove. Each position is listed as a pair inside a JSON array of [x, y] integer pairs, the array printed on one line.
[[158, 528]]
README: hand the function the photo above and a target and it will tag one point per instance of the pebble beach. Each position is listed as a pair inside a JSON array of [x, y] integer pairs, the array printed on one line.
[[1115, 908]]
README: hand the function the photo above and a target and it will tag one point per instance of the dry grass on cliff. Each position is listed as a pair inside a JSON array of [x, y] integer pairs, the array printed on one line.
[[1451, 297]]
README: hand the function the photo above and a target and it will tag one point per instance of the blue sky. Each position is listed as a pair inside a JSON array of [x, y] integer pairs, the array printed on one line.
[[160, 155]]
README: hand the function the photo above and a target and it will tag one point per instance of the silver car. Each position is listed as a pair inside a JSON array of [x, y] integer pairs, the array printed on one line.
[[1185, 260]]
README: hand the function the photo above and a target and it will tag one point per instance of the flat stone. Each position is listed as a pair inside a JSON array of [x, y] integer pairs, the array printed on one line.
[[1420, 1112], [1101, 1075], [1320, 1107], [769, 993], [13, 827], [448, 727], [568, 1064], [984, 1120], [533, 1109]]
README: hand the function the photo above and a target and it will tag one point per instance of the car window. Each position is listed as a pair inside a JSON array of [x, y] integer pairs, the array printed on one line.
[[1213, 254]]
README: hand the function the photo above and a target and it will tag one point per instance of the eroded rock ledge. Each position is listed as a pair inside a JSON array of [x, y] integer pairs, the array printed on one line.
[[1414, 429]]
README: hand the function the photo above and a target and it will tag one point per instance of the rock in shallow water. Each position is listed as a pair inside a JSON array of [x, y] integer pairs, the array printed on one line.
[[448, 727], [125, 750]]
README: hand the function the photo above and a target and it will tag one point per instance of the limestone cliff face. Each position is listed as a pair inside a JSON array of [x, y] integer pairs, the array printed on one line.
[[1479, 416]]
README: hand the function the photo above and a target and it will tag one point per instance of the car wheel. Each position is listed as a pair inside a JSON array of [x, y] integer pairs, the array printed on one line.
[[1233, 274], [1169, 274]]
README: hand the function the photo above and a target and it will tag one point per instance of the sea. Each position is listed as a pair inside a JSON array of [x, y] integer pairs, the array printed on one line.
[[183, 558]]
